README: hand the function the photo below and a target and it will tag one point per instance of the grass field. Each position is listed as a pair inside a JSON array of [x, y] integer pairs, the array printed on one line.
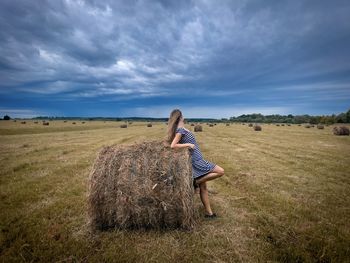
[[285, 196]]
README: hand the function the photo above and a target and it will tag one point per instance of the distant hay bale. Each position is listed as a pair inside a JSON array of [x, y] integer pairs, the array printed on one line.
[[149, 125], [257, 127], [277, 125], [320, 126], [123, 126], [282, 124], [192, 124], [342, 130], [211, 125], [46, 123], [36, 122], [250, 125], [214, 123], [83, 122], [307, 126], [227, 124], [299, 124], [198, 128], [64, 121], [23, 122], [288, 124], [146, 185], [73, 123]]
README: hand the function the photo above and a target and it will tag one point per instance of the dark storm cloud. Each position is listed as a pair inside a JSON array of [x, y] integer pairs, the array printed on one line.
[[282, 51]]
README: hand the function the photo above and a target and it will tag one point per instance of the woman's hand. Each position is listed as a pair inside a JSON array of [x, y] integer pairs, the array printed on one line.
[[191, 146]]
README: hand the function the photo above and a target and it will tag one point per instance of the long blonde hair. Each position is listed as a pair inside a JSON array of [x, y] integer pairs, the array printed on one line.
[[174, 119]]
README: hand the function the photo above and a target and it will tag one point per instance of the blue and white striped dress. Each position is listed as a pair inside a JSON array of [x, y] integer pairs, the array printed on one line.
[[199, 165]]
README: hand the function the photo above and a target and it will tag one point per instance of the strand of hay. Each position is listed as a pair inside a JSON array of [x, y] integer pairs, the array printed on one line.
[[198, 128], [341, 130], [147, 185]]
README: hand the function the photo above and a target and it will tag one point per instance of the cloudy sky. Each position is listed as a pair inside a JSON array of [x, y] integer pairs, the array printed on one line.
[[210, 58]]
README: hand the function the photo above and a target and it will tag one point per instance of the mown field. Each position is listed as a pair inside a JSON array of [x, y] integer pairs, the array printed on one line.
[[285, 196]]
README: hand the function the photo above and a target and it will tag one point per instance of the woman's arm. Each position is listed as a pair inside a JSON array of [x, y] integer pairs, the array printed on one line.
[[175, 143]]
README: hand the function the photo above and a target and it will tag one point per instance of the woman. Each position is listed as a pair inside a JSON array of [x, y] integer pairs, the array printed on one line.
[[202, 170]]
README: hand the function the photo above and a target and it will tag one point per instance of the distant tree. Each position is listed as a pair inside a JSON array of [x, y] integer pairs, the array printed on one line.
[[341, 118], [6, 118], [347, 116]]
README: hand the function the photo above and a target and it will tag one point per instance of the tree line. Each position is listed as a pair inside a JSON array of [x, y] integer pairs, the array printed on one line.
[[293, 119]]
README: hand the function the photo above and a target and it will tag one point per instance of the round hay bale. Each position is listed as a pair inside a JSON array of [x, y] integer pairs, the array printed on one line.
[[198, 128], [146, 185], [83, 122], [250, 125], [149, 125], [282, 124], [73, 122], [211, 125], [257, 127], [277, 125], [123, 126], [288, 124], [227, 124], [64, 121], [192, 124], [307, 126], [36, 122], [23, 122], [320, 126], [342, 130], [46, 123]]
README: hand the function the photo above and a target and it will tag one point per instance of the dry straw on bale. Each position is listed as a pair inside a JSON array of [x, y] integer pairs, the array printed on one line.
[[198, 128], [147, 185], [341, 130], [257, 127]]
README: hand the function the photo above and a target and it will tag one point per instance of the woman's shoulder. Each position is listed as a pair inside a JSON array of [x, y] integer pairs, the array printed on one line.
[[181, 130]]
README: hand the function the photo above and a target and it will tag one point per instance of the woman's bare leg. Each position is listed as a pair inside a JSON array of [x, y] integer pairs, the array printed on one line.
[[215, 173], [205, 198]]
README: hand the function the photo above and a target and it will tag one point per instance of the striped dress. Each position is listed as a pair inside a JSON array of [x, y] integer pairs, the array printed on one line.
[[200, 166]]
